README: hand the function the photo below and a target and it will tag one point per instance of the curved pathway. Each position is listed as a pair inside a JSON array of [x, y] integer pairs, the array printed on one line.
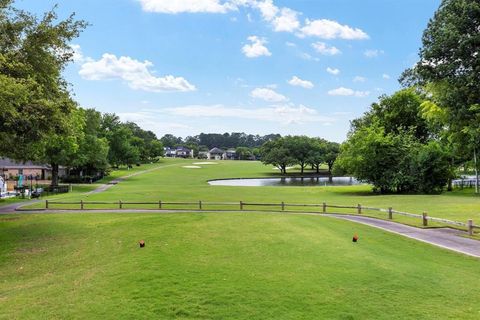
[[446, 238]]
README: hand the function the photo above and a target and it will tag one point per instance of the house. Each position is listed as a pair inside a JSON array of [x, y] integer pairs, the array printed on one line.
[[178, 152], [169, 153], [230, 154], [183, 152], [11, 169], [215, 154]]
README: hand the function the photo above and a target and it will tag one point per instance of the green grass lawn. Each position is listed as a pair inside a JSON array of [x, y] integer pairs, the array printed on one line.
[[175, 183], [225, 266]]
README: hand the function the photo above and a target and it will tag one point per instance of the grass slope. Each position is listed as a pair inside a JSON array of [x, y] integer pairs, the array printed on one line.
[[225, 266]]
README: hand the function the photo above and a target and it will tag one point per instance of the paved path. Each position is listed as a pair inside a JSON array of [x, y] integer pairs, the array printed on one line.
[[446, 238]]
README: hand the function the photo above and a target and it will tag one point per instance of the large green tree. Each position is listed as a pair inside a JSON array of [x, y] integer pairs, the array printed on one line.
[[449, 68], [34, 98]]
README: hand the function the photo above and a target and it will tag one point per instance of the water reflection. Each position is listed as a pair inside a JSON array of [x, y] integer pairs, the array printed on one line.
[[291, 181]]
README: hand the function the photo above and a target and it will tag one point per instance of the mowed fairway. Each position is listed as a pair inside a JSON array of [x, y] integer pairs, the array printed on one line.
[[225, 266], [173, 182]]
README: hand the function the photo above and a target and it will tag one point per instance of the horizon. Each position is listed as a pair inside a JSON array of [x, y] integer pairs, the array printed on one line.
[[258, 67]]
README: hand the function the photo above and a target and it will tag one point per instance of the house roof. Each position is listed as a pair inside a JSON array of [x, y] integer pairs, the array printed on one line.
[[216, 151], [183, 149], [12, 164]]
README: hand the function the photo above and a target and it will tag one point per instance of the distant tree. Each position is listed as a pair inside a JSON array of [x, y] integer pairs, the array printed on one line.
[[299, 148], [316, 155], [243, 153], [332, 150], [276, 153], [171, 141]]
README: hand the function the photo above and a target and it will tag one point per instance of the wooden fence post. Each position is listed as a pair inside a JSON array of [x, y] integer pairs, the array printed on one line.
[[424, 219], [120, 204], [81, 204], [470, 227], [200, 204], [390, 213], [159, 204], [359, 208], [46, 204], [241, 205], [283, 206]]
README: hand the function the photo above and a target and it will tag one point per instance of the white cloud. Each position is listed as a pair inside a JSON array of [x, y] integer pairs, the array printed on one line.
[[359, 79], [329, 29], [287, 21], [290, 44], [333, 71], [286, 114], [373, 53], [268, 95], [385, 76], [296, 81], [267, 9], [256, 48], [135, 73], [190, 6], [323, 48], [342, 91]]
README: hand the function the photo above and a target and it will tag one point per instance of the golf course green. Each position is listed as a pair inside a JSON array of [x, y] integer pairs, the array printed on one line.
[[230, 265]]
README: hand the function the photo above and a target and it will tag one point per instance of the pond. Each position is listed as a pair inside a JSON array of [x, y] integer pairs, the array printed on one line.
[[291, 181]]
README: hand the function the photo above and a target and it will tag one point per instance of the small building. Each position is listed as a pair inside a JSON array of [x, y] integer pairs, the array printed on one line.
[[215, 154], [183, 152], [230, 154], [11, 169], [169, 153]]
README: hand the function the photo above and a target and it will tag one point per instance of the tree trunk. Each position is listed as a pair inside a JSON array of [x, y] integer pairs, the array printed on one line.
[[318, 168], [54, 174], [303, 166], [476, 169]]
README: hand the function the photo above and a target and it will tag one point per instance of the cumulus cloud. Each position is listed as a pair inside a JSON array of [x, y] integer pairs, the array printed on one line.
[[135, 73], [323, 48], [256, 48], [329, 29], [190, 6], [333, 71], [281, 114], [296, 81], [385, 76], [359, 79], [372, 53], [287, 21], [267, 95], [342, 91]]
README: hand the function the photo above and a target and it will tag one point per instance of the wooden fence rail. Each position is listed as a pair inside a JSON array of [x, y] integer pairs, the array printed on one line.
[[200, 205]]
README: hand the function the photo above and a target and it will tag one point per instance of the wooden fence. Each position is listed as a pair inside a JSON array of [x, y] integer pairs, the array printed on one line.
[[241, 205]]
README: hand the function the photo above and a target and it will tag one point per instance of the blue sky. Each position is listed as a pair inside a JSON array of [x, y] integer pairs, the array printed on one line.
[[257, 66]]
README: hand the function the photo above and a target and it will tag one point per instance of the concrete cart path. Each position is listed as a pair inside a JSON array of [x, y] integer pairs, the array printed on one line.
[[446, 238], [10, 208]]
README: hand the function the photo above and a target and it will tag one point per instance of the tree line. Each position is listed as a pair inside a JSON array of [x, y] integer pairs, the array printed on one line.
[[299, 150]]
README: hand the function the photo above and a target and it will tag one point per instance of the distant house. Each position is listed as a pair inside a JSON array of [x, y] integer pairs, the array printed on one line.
[[11, 169], [215, 154], [179, 152], [183, 152], [169, 153], [230, 154]]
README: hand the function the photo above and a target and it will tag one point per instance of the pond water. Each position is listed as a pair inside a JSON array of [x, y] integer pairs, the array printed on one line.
[[292, 181]]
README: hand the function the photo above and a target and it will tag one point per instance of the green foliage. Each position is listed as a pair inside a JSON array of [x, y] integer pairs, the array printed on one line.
[[276, 153], [391, 147]]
